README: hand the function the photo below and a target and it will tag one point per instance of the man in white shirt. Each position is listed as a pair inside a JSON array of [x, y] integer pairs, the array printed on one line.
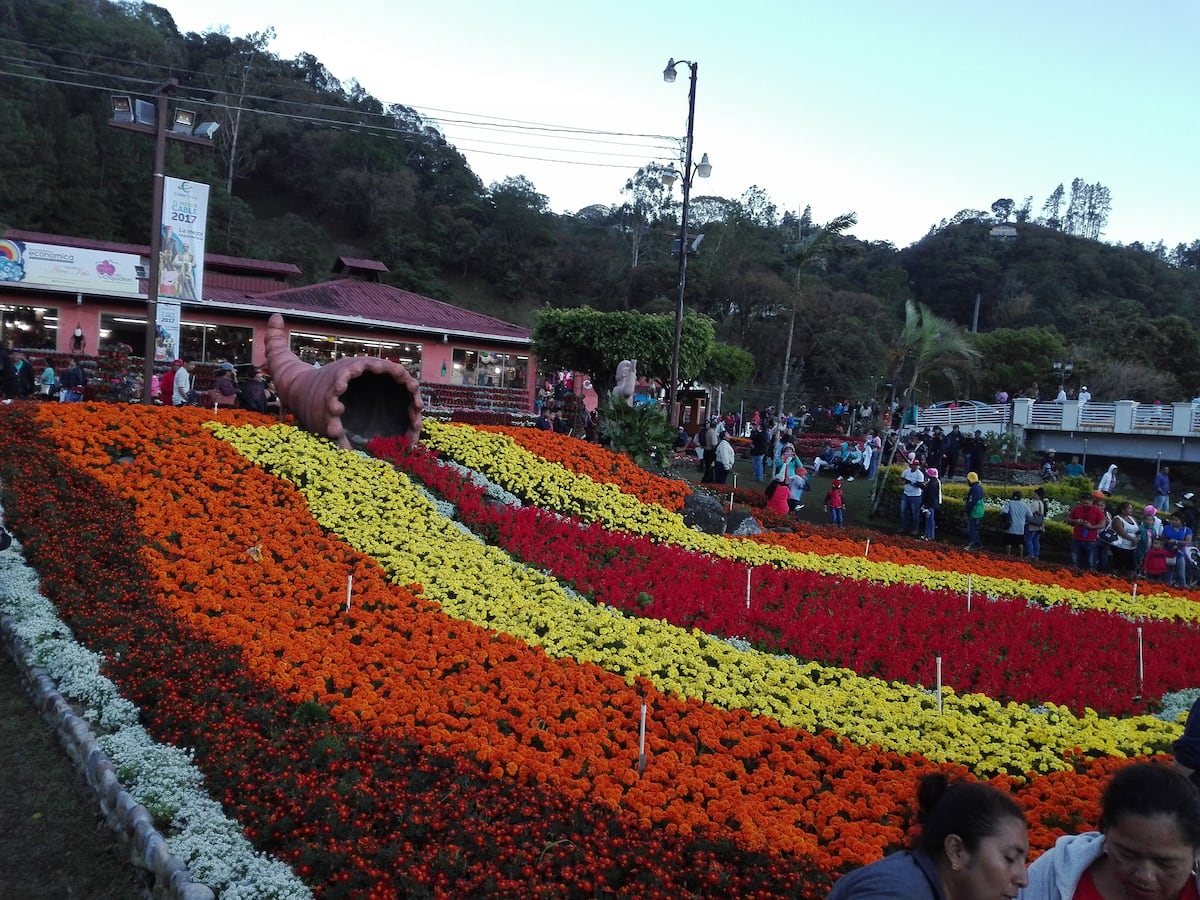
[[725, 458], [1084, 395], [182, 393], [910, 500]]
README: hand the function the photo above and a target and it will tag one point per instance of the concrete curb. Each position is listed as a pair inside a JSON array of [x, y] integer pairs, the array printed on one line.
[[148, 849]]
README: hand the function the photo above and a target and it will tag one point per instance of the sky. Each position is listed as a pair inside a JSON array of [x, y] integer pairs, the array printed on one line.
[[901, 113]]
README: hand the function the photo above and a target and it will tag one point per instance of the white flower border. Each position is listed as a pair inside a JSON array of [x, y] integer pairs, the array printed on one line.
[[206, 855]]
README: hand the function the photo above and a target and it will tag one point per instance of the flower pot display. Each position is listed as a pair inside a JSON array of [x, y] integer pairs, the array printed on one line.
[[362, 396]]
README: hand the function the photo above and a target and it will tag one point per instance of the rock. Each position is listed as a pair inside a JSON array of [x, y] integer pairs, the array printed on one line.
[[705, 513], [748, 525]]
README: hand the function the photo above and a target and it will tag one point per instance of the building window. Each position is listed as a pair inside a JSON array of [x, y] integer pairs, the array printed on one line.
[[481, 368], [29, 327], [325, 348], [198, 341]]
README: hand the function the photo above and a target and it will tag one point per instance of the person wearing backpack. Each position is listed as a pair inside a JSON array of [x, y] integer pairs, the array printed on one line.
[[1035, 523]]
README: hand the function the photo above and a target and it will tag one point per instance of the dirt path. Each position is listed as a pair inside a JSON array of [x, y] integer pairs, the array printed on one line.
[[53, 842]]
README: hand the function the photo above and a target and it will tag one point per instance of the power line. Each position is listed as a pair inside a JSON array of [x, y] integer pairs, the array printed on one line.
[[462, 119], [391, 131]]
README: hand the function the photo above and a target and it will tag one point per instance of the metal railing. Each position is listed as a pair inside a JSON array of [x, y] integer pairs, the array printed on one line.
[[1097, 415], [967, 418]]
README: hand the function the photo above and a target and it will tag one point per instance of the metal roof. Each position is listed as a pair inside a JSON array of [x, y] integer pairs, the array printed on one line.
[[367, 302]]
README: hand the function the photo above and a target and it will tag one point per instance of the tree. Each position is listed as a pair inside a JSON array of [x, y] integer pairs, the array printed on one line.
[[646, 198], [1012, 359], [727, 366], [584, 340], [809, 252], [927, 344], [1002, 209], [1052, 208]]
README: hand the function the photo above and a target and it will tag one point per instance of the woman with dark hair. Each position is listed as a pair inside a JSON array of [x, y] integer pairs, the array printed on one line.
[[1145, 849], [972, 846]]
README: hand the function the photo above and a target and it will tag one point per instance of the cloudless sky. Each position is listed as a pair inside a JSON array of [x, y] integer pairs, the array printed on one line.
[[902, 113]]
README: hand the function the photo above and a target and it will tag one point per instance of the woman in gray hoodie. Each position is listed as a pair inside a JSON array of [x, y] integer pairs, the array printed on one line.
[[1146, 848]]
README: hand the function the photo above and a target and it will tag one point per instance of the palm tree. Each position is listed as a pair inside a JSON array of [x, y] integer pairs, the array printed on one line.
[[811, 251], [930, 345]]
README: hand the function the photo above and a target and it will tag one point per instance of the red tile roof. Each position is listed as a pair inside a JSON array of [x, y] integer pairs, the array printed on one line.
[[351, 299]]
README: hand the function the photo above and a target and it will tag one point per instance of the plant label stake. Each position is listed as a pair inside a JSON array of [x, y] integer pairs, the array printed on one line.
[[349, 588], [968, 593], [735, 481], [1135, 590], [642, 741], [1141, 661], [748, 571], [939, 684], [731, 501], [867, 551]]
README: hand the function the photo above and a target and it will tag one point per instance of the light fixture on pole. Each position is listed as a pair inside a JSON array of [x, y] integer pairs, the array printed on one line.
[[703, 169], [151, 119], [1063, 370]]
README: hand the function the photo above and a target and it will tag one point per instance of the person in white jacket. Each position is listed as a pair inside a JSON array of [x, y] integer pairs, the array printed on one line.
[[1146, 848]]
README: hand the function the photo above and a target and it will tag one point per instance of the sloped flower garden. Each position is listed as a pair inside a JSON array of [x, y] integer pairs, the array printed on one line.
[[425, 671]]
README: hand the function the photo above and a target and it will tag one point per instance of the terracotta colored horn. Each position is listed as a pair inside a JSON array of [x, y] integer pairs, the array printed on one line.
[[363, 396]]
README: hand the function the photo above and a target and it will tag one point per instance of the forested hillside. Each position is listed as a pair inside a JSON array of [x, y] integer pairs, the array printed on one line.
[[305, 167]]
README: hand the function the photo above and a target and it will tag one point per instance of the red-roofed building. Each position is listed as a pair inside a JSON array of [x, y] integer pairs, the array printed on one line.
[[62, 294]]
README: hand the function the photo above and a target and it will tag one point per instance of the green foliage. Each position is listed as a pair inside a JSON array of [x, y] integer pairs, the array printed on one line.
[[593, 342], [640, 432], [1012, 359], [727, 366]]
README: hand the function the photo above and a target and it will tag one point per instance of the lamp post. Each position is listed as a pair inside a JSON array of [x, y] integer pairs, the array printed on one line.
[[703, 169], [1063, 370], [130, 116]]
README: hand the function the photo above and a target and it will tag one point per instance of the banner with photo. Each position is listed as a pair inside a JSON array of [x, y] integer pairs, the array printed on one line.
[[166, 331], [184, 221]]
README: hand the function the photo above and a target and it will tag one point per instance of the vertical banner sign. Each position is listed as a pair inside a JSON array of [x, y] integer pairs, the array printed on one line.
[[181, 259], [166, 331]]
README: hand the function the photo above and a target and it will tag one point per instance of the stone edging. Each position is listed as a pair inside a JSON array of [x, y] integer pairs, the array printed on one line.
[[130, 820]]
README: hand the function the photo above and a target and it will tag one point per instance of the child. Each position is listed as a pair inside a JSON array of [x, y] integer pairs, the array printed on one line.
[[777, 497], [1155, 564], [835, 503], [797, 485]]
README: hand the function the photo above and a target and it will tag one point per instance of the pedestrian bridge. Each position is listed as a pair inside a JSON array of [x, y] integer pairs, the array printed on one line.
[[1125, 429]]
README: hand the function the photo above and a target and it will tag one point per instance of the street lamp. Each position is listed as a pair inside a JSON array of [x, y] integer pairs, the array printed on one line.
[[1063, 370], [135, 115], [703, 169]]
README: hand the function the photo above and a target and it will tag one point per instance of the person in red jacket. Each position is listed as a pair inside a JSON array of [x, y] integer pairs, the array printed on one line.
[[835, 503], [1088, 519], [166, 384]]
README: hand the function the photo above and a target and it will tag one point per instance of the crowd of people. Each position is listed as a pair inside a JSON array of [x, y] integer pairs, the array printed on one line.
[[172, 385], [973, 842]]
